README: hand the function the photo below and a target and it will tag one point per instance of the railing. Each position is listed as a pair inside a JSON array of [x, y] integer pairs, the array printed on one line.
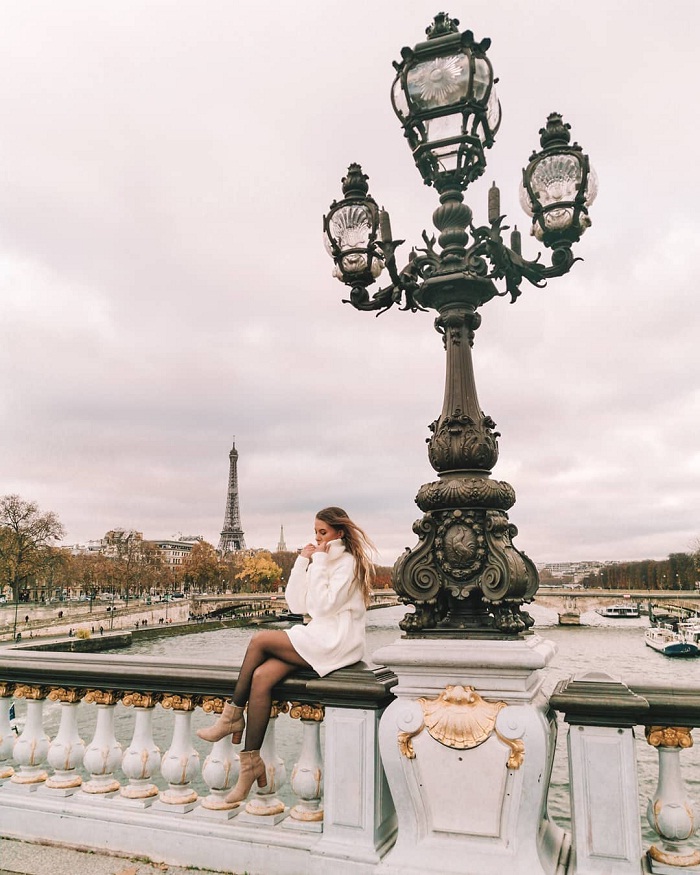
[[602, 714], [123, 795], [118, 792]]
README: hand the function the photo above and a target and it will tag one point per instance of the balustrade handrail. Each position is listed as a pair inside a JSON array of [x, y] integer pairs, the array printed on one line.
[[358, 686], [597, 701]]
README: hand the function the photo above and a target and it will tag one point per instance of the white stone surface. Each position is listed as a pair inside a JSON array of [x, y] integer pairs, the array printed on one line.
[[359, 817], [464, 810], [604, 800]]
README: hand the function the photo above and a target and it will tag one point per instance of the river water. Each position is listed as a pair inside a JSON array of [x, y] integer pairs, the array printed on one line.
[[599, 644]]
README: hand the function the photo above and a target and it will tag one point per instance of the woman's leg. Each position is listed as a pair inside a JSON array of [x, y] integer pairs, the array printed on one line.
[[273, 644], [265, 677]]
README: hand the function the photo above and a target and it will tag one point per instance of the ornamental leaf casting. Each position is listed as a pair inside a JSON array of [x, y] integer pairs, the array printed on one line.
[[72, 695], [103, 697], [669, 736], [460, 442], [303, 711], [29, 691], [140, 700], [179, 703]]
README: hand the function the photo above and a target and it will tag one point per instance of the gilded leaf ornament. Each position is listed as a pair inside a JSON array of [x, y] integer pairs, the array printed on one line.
[[669, 736], [303, 711], [178, 703]]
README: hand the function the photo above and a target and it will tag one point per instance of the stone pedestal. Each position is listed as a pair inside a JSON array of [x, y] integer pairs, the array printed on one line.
[[467, 748]]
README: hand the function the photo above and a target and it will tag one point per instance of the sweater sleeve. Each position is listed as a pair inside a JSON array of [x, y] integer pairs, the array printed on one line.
[[297, 586], [329, 589]]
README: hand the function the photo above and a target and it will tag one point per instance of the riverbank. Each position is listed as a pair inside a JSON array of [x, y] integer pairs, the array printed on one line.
[[109, 640]]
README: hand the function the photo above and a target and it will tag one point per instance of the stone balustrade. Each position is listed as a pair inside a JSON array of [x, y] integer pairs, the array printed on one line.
[[85, 769], [111, 788], [602, 713]]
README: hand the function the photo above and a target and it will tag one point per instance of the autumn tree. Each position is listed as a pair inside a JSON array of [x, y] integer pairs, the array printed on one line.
[[202, 568], [285, 559], [259, 572], [26, 538]]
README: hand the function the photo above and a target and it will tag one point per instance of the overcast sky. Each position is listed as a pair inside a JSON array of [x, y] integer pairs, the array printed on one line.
[[164, 169]]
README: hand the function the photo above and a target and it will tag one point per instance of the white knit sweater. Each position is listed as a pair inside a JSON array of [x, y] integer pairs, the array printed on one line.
[[327, 590]]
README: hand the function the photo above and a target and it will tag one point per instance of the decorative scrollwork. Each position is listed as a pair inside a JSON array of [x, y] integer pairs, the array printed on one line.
[[414, 576], [29, 691], [405, 740], [465, 493], [213, 704], [179, 703], [459, 442], [279, 707], [304, 711], [140, 700], [103, 697], [517, 750], [7, 689], [70, 695], [669, 736]]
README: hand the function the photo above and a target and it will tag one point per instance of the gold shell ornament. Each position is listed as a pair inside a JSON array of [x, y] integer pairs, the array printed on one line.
[[459, 717]]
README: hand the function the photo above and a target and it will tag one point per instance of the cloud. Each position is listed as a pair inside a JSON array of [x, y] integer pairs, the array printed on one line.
[[163, 284]]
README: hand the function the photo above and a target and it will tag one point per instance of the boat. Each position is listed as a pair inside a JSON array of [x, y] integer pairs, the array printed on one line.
[[671, 643], [620, 611]]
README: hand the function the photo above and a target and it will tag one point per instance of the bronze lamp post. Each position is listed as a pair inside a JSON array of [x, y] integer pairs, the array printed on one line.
[[464, 577]]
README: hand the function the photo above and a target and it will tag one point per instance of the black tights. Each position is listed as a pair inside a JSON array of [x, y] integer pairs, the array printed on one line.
[[270, 657]]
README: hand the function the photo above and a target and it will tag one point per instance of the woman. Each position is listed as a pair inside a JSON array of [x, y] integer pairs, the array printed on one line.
[[331, 581]]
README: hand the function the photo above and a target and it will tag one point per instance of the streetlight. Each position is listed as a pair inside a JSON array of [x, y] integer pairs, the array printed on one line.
[[464, 577]]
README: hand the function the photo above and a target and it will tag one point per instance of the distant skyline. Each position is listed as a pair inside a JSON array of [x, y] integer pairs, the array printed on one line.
[[164, 285]]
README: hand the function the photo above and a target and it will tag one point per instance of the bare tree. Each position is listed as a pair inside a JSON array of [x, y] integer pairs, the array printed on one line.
[[26, 537]]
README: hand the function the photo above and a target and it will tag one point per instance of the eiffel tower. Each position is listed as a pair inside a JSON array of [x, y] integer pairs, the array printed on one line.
[[232, 534]]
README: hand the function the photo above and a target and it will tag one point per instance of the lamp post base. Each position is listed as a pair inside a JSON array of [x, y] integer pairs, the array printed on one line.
[[467, 747]]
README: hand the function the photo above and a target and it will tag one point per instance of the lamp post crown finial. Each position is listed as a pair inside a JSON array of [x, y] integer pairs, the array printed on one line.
[[556, 133], [442, 25], [355, 183]]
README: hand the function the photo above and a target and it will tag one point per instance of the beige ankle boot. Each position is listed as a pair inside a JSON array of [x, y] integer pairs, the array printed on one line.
[[252, 769], [231, 722]]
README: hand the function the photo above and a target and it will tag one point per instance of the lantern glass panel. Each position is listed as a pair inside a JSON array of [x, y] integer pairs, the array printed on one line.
[[443, 128], [556, 178], [591, 187], [400, 102], [351, 228], [439, 82], [482, 78], [493, 112]]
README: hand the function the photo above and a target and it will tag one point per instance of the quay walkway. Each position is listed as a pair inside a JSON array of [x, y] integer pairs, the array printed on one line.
[[25, 858]]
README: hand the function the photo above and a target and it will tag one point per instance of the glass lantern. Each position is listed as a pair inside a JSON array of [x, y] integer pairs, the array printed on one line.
[[445, 99], [558, 186], [350, 232]]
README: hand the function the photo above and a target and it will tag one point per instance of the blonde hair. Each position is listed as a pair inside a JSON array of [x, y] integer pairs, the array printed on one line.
[[356, 543]]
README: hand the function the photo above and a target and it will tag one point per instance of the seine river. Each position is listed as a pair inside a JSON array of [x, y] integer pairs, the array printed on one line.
[[613, 646]]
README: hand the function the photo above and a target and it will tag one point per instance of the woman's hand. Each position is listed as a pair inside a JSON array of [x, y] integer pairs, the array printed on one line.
[[308, 551]]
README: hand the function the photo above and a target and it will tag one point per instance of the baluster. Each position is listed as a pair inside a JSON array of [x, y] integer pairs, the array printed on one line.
[[67, 750], [307, 775], [265, 807], [220, 771], [670, 811], [7, 736], [141, 759], [180, 762], [32, 746], [104, 753]]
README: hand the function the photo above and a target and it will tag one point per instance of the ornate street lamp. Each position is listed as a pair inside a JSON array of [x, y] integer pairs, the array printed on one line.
[[464, 577]]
